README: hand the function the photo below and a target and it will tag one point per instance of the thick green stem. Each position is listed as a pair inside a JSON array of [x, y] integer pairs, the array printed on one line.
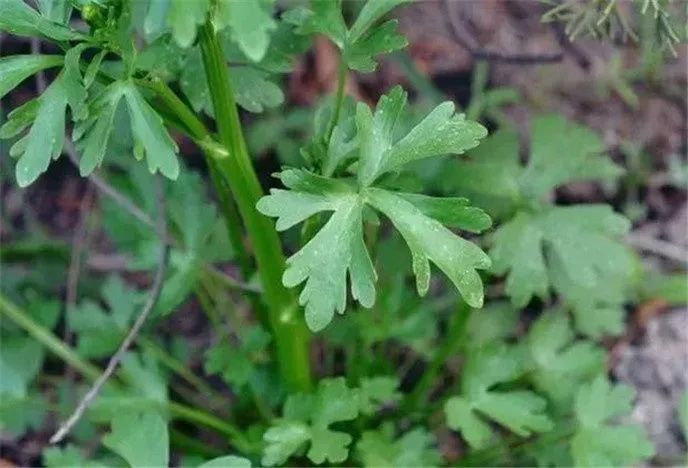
[[232, 220], [452, 341], [193, 126], [230, 159], [288, 328]]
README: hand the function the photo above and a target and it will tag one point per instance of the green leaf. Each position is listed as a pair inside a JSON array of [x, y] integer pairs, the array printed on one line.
[[569, 247], [146, 389], [418, 218], [491, 324], [184, 17], [454, 212], [140, 438], [382, 39], [371, 12], [155, 19], [306, 418], [97, 131], [20, 118], [560, 152], [20, 361], [376, 391], [596, 441], [428, 241], [250, 24], [19, 414], [440, 132], [45, 138], [68, 456], [253, 90], [236, 365], [282, 440], [655, 285], [324, 17], [99, 333], [18, 18], [342, 237], [228, 461], [381, 448], [557, 358], [148, 129], [362, 42], [55, 10], [520, 411], [489, 177], [16, 68]]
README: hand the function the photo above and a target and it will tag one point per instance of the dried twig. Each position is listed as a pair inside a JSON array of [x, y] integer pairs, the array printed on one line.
[[469, 43], [658, 247], [153, 295], [78, 246], [107, 189], [81, 234]]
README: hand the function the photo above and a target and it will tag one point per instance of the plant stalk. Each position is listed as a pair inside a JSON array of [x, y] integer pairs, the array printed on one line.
[[288, 328], [46, 338], [452, 341]]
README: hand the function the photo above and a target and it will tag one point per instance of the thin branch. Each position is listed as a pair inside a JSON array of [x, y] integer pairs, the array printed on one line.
[[154, 294], [108, 190], [73, 156], [79, 242], [469, 43], [658, 247], [78, 245]]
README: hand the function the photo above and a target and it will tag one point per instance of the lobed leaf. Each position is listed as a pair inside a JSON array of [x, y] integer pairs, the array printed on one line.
[[380, 448], [250, 24], [569, 248], [16, 68], [382, 39], [338, 248], [371, 12], [140, 438], [440, 132], [18, 18], [558, 358], [228, 461], [149, 130], [46, 135], [598, 443], [184, 17], [97, 131], [520, 411], [307, 418], [429, 240]]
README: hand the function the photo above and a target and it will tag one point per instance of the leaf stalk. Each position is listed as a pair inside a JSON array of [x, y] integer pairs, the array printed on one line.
[[291, 341]]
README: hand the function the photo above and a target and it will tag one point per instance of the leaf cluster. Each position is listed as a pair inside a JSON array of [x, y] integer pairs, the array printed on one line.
[[575, 250], [375, 151]]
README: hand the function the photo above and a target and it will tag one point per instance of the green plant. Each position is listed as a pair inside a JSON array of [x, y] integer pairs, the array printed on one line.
[[394, 371]]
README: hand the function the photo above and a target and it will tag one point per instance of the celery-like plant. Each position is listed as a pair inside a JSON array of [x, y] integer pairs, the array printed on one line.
[[382, 195]]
